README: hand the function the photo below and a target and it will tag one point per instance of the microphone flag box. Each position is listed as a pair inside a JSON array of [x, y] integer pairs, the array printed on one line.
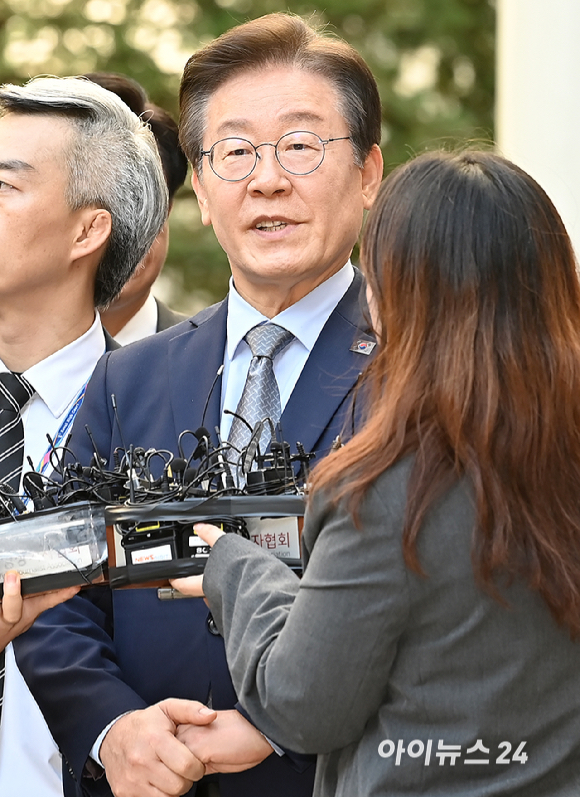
[[55, 548], [154, 542]]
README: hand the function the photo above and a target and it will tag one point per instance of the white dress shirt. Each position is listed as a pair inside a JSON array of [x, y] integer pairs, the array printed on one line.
[[30, 764], [305, 320], [142, 324]]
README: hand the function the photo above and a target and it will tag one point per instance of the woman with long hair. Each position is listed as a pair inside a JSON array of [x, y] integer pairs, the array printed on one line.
[[431, 646]]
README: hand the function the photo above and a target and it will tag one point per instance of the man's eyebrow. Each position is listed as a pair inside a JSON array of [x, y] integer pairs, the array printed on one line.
[[292, 117], [16, 166], [232, 125]]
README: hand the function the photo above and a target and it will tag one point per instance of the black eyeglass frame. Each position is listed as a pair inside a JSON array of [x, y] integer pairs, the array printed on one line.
[[255, 147]]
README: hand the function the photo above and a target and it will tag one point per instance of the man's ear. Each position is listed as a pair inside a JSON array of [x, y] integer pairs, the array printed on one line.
[[372, 174], [93, 232], [202, 200]]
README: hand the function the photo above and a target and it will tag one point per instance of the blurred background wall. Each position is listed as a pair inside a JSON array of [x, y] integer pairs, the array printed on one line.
[[433, 59], [538, 87]]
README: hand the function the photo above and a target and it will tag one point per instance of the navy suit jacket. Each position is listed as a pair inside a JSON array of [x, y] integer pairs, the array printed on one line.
[[107, 652]]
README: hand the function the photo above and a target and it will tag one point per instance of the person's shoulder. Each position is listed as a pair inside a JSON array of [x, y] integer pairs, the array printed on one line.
[[167, 317], [156, 345]]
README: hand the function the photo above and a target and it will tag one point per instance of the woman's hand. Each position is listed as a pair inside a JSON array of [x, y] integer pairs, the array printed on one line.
[[193, 585], [208, 533]]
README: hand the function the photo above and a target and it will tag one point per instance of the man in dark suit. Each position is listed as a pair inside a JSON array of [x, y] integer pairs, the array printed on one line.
[[282, 126], [75, 164]]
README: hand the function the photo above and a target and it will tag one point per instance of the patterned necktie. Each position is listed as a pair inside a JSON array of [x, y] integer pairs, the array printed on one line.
[[15, 391], [261, 397]]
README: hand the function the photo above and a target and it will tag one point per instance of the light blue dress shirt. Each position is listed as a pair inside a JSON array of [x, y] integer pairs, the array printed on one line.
[[305, 319]]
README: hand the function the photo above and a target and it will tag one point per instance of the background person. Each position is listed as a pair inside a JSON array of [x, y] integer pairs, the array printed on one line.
[[135, 312], [439, 611], [288, 237], [82, 197]]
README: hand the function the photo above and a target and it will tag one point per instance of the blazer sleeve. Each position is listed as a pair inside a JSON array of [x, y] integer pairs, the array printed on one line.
[[67, 657], [310, 659]]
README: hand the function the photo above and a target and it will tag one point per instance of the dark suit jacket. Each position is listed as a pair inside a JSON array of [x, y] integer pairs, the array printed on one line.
[[166, 317], [102, 654]]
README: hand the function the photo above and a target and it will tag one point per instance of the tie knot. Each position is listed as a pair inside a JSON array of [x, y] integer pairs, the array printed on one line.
[[15, 391], [268, 340]]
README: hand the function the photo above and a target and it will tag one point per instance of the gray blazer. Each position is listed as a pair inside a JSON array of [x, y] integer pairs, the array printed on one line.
[[363, 657]]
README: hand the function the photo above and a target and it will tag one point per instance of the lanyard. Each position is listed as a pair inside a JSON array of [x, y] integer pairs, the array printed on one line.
[[64, 428]]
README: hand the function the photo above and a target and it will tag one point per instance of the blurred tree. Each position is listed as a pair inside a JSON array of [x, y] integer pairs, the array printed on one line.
[[433, 60]]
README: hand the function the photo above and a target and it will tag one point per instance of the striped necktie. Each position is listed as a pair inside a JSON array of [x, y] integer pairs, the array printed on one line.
[[261, 396], [15, 392]]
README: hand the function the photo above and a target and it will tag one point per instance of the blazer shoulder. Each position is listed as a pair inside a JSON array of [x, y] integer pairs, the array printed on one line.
[[208, 313]]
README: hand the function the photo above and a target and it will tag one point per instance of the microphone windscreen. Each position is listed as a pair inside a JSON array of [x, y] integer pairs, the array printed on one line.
[[178, 464], [189, 475]]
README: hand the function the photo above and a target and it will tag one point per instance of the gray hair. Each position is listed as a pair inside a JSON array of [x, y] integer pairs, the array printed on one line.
[[113, 163]]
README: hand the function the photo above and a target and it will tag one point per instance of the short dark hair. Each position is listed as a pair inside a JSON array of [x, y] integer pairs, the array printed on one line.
[[162, 124], [280, 39], [113, 163]]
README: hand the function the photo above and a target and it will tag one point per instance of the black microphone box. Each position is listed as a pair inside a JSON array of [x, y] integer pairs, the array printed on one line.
[[155, 542]]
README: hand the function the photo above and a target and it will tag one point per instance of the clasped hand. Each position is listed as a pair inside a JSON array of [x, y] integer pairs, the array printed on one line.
[[160, 751]]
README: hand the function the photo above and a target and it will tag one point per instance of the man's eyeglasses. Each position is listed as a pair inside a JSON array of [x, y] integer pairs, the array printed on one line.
[[299, 153]]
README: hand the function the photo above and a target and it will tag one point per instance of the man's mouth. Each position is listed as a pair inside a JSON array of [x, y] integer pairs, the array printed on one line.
[[271, 226]]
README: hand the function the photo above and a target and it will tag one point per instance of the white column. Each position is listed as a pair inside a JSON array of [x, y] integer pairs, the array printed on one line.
[[538, 97]]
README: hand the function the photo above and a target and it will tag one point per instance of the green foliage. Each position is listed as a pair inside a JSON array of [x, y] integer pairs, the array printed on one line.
[[433, 60]]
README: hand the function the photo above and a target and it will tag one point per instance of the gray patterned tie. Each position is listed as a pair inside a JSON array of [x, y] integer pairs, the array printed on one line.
[[261, 397], [15, 391]]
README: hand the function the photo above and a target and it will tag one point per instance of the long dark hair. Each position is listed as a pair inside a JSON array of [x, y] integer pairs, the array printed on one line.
[[478, 373]]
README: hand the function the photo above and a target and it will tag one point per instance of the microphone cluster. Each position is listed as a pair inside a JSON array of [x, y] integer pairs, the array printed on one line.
[[151, 498]]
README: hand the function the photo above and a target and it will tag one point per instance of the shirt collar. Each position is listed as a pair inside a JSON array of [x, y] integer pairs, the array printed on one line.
[[60, 377], [304, 319]]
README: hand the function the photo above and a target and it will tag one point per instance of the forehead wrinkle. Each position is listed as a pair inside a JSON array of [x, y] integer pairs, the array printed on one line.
[[229, 126]]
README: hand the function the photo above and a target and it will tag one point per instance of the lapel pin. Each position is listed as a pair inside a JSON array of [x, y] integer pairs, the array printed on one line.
[[363, 346]]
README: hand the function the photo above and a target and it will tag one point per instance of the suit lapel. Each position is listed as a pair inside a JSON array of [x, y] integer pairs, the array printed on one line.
[[330, 373], [194, 358]]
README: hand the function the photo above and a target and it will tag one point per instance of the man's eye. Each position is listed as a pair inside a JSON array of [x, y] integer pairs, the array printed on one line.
[[4, 186], [238, 152]]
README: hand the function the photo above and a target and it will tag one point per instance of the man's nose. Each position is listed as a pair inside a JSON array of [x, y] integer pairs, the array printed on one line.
[[268, 176]]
